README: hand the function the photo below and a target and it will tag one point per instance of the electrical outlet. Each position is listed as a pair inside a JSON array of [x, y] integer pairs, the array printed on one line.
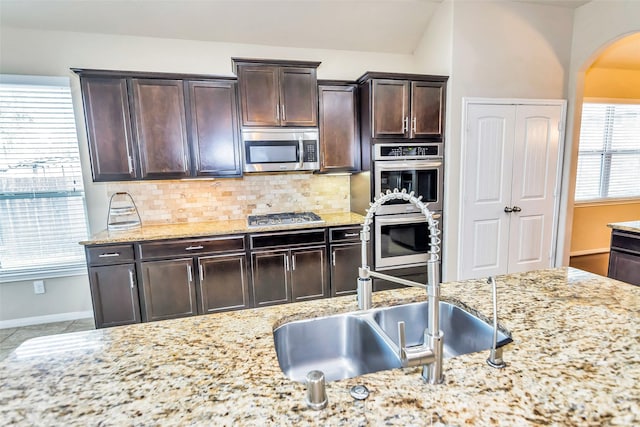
[[38, 286]]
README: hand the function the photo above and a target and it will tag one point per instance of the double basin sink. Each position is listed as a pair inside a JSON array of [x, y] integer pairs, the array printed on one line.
[[352, 344]]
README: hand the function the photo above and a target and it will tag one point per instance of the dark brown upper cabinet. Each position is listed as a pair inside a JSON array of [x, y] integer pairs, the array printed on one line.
[[213, 128], [402, 106], [277, 93], [108, 125], [144, 125], [339, 127], [161, 128]]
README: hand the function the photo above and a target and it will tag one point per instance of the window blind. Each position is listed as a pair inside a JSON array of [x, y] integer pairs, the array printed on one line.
[[42, 206], [609, 152]]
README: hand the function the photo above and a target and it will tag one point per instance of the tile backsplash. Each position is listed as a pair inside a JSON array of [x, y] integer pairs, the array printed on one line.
[[179, 201]]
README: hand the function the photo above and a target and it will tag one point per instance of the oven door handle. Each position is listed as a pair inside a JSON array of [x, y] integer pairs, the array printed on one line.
[[384, 165], [404, 219]]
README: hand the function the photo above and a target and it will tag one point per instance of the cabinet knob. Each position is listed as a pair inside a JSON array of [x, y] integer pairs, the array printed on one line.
[[507, 209], [517, 209]]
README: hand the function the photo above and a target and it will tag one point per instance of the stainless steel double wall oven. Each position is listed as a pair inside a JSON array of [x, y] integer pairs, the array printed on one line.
[[400, 236]]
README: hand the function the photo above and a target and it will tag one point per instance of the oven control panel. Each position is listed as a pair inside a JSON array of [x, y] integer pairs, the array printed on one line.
[[416, 151]]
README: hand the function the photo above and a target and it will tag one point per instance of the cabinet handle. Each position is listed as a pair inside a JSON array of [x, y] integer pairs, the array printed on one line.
[[414, 124], [283, 116], [109, 255], [405, 124], [333, 257], [194, 248], [507, 209], [201, 272], [130, 164], [277, 113], [293, 262], [517, 209], [350, 234], [131, 280], [286, 263], [190, 273]]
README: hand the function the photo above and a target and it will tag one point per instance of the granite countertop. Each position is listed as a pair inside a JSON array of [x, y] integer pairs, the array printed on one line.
[[575, 361], [633, 226], [212, 228]]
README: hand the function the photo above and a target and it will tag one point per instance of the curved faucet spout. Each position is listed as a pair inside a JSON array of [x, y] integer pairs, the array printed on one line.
[[430, 353]]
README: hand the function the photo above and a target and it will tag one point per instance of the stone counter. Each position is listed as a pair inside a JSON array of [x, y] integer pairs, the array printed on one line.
[[633, 226], [212, 228], [575, 361]]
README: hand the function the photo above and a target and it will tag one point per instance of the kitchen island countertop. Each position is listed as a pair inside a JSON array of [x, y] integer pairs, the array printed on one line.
[[212, 228], [575, 361], [633, 226]]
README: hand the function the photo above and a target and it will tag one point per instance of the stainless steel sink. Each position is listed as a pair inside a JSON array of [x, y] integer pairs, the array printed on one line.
[[352, 344], [463, 332], [341, 346]]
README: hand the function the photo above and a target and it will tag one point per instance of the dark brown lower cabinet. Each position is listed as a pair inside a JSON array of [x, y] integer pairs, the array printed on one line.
[[625, 267], [222, 283], [289, 275], [114, 293], [168, 289], [345, 261]]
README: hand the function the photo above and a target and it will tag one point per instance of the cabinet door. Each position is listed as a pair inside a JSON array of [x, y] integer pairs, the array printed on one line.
[[390, 109], [308, 277], [214, 128], [114, 293], [270, 277], [624, 267], [223, 283], [427, 110], [161, 132], [298, 97], [339, 134], [259, 95], [168, 288], [345, 261], [106, 109]]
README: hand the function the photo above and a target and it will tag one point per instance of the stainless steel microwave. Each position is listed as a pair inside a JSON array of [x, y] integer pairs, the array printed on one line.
[[280, 149]]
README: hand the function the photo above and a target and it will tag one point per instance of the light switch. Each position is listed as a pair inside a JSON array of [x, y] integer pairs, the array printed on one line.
[[38, 286]]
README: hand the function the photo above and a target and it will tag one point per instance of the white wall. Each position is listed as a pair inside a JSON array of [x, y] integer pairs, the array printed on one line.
[[500, 50], [53, 53], [596, 25]]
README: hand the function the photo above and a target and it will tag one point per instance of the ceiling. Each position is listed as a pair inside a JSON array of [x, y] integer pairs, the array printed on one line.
[[394, 26]]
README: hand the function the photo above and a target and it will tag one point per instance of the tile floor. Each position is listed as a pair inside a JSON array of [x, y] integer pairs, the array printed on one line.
[[11, 338]]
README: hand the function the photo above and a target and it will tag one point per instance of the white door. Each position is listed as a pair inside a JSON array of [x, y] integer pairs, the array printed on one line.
[[510, 170], [533, 187]]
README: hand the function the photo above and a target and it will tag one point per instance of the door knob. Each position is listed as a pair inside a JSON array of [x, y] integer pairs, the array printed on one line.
[[517, 209], [507, 209]]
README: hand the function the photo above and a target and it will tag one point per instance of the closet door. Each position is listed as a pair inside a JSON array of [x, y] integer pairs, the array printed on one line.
[[510, 176], [533, 186], [488, 161]]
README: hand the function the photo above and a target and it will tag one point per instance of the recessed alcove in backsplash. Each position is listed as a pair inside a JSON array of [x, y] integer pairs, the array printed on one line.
[[179, 201]]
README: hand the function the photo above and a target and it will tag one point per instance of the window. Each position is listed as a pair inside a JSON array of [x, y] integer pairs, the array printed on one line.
[[609, 152], [42, 207]]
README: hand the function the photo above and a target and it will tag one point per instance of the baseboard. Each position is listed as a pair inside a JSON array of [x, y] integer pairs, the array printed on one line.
[[50, 318]]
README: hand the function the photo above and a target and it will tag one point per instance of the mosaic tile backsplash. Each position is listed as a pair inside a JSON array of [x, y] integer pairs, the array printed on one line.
[[179, 201]]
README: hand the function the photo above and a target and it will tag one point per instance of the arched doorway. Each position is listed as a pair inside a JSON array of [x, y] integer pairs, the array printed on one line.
[[611, 78]]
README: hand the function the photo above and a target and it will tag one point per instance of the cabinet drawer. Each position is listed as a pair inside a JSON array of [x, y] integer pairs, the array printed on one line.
[[186, 247], [626, 241], [111, 254], [344, 234], [271, 240]]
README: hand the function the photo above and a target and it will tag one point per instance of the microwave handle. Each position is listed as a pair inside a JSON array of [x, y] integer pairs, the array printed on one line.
[[301, 152]]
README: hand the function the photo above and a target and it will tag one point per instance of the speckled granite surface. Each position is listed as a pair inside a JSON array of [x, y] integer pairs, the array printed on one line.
[[633, 226], [212, 228], [575, 361]]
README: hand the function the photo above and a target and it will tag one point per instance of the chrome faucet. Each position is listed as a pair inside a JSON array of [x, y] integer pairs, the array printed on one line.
[[430, 352]]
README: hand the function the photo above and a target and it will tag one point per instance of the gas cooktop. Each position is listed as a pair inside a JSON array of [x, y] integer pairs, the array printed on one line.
[[284, 218]]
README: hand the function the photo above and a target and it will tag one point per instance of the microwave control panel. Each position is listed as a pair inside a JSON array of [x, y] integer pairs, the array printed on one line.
[[310, 151]]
